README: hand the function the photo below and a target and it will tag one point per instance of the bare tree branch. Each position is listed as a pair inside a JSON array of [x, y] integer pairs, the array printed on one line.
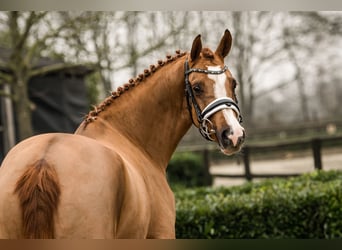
[[29, 23], [279, 86]]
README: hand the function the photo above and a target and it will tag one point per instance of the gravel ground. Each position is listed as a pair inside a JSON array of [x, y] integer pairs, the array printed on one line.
[[292, 165]]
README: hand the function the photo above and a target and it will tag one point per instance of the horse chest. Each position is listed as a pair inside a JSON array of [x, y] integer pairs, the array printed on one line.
[[148, 209]]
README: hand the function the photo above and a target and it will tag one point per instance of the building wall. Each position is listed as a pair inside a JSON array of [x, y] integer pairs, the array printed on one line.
[[59, 105]]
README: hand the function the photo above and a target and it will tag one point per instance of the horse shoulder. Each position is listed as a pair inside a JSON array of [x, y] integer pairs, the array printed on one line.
[[148, 203]]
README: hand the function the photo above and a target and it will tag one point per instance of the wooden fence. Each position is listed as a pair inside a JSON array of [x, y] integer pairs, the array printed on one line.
[[315, 144]]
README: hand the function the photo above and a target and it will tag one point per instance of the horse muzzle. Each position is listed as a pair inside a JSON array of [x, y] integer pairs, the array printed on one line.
[[230, 140]]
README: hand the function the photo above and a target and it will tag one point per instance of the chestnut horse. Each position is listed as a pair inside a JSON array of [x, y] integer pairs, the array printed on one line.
[[108, 179]]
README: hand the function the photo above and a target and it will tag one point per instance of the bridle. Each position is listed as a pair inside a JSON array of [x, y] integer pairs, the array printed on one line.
[[205, 125]]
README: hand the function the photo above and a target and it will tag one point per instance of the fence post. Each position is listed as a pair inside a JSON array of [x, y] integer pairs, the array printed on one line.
[[316, 151], [248, 174]]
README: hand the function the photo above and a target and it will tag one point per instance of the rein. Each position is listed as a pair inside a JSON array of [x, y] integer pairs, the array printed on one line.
[[205, 125]]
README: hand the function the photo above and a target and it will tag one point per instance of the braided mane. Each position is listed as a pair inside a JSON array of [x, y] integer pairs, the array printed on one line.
[[92, 115]]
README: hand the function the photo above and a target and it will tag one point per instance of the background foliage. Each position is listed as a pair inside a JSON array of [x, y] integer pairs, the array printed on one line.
[[309, 206], [283, 61], [187, 169]]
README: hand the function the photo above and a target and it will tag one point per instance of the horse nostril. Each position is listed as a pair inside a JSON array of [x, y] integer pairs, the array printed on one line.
[[224, 137], [229, 137], [226, 133], [241, 139], [243, 136]]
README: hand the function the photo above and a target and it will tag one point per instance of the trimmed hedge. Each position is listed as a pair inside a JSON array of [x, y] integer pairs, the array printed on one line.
[[308, 206], [186, 169]]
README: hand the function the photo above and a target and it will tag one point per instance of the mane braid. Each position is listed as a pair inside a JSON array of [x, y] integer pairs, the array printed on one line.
[[92, 115]]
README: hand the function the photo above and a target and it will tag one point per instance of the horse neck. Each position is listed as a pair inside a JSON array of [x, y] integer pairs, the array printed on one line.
[[153, 115]]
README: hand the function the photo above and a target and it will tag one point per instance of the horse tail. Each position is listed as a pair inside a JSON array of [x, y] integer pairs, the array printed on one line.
[[39, 192]]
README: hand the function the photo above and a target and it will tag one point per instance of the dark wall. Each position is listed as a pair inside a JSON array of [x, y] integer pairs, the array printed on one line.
[[60, 103]]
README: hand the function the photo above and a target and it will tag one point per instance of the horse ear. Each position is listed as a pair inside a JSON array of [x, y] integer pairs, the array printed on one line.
[[196, 48], [225, 44]]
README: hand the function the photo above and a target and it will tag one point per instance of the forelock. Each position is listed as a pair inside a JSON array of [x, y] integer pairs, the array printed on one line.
[[207, 53]]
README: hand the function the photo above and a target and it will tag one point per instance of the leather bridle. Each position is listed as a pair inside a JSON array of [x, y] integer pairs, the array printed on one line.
[[205, 125]]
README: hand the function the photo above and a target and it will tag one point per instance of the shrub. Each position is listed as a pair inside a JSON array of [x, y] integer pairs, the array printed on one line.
[[187, 169], [309, 206]]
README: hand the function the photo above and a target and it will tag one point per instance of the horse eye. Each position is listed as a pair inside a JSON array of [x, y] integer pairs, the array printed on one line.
[[197, 88]]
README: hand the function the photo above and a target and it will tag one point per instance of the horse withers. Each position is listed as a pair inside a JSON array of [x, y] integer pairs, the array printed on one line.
[[108, 179]]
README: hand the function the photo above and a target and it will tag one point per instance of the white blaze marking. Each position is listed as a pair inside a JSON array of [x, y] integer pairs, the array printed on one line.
[[229, 114]]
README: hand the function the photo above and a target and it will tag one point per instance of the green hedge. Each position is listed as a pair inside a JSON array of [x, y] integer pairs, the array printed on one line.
[[308, 206], [187, 169]]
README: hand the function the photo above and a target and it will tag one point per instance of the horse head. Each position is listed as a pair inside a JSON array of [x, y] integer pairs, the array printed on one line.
[[211, 98]]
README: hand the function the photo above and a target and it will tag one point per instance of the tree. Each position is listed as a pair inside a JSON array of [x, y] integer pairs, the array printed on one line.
[[309, 40], [169, 25], [278, 54], [122, 43], [30, 34], [20, 67], [79, 37], [257, 48]]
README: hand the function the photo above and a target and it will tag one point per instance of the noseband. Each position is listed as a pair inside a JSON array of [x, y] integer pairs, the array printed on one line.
[[205, 125]]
